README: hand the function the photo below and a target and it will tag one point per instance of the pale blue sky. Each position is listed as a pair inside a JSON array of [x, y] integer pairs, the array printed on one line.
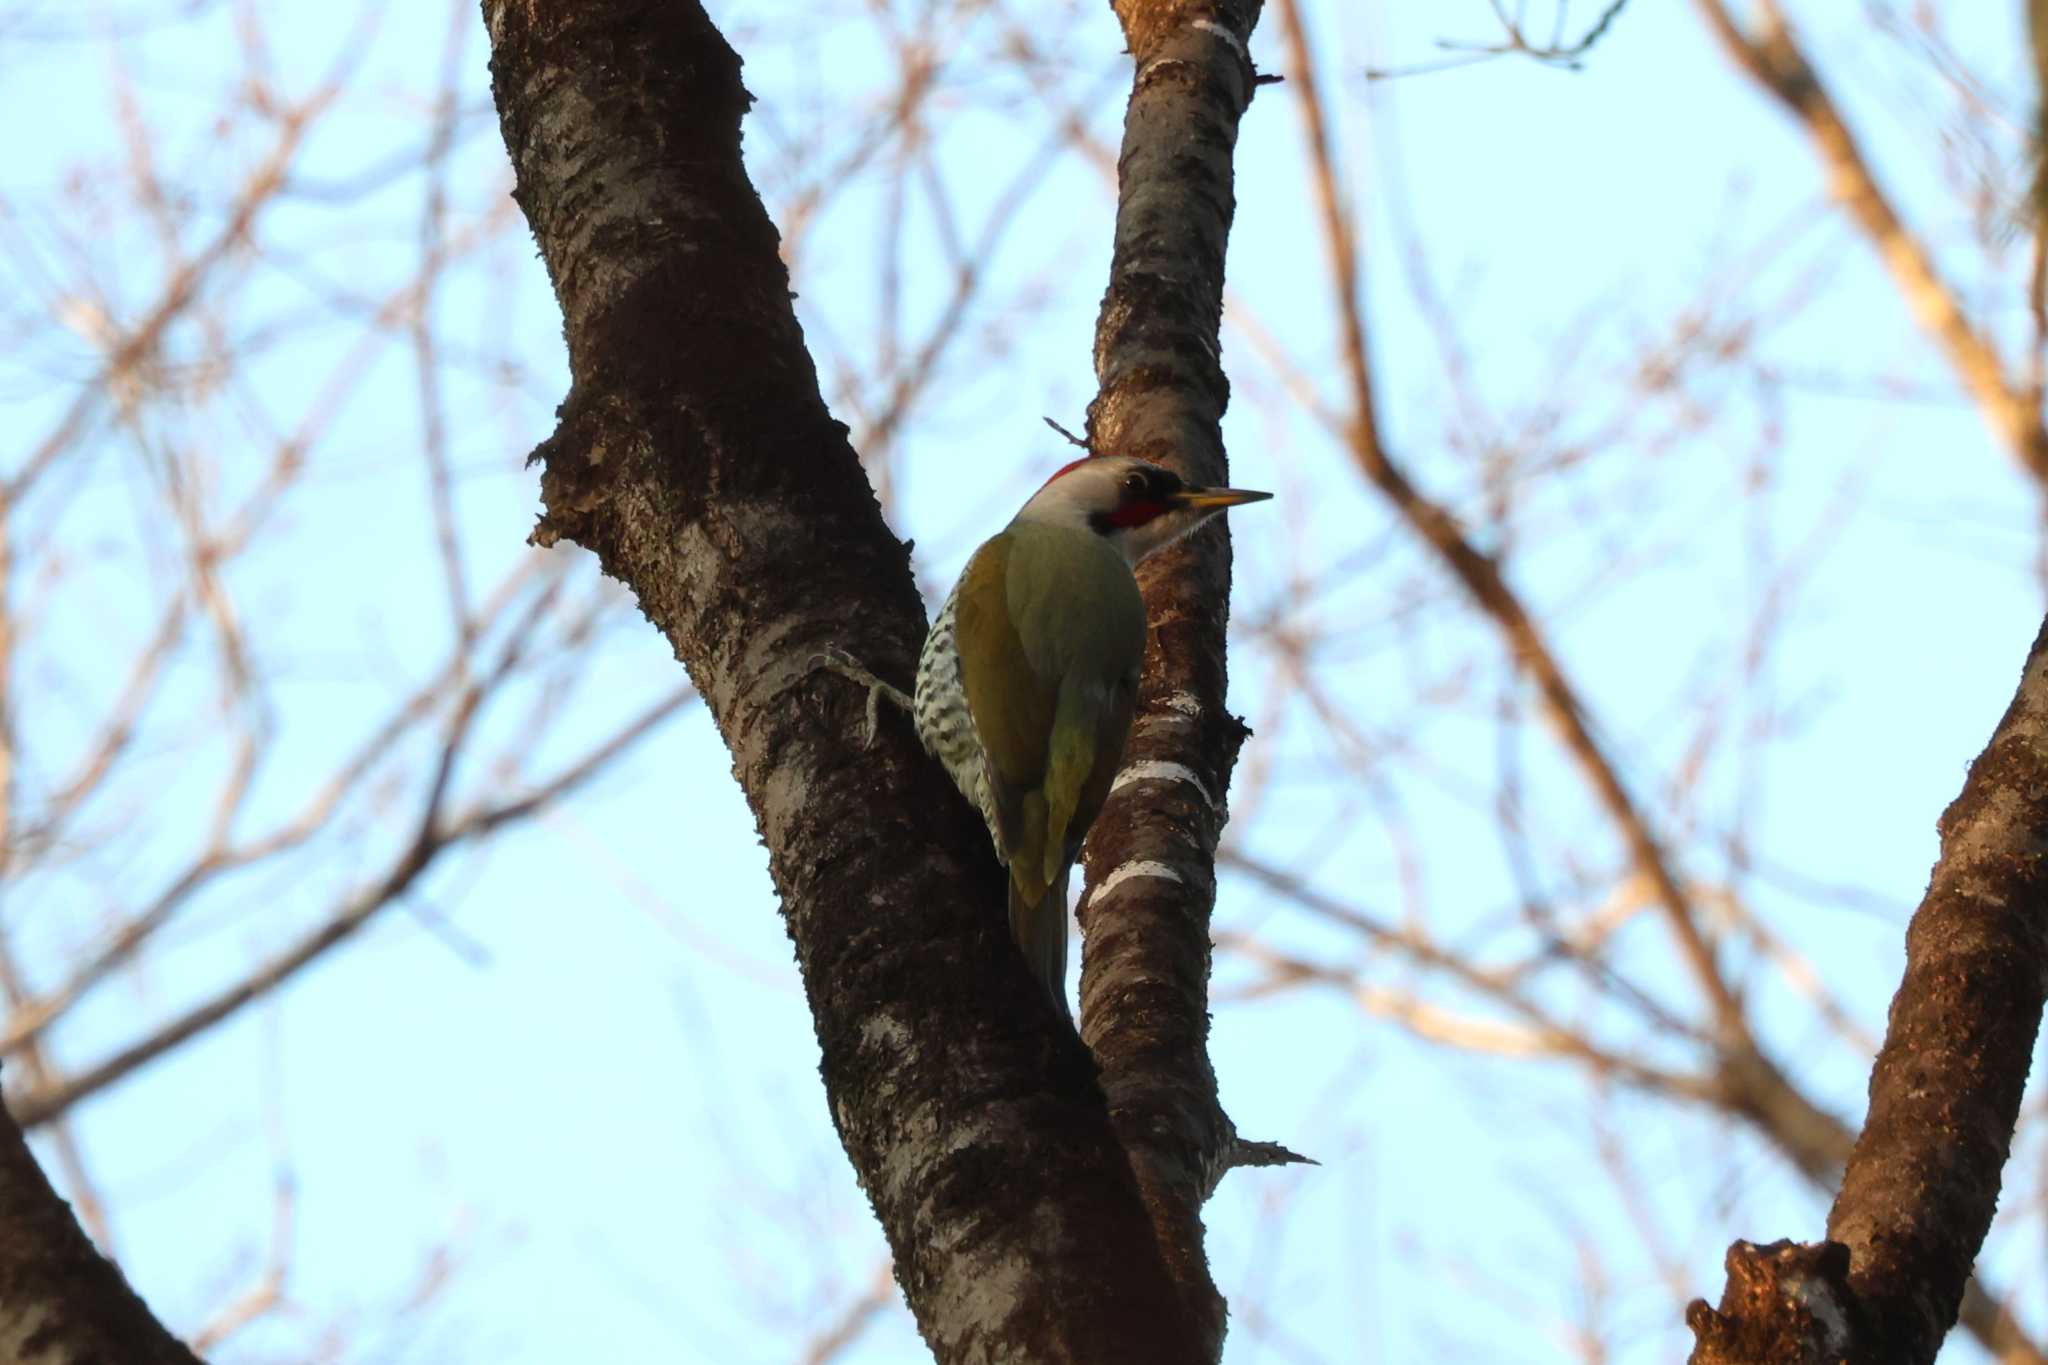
[[615, 1120]]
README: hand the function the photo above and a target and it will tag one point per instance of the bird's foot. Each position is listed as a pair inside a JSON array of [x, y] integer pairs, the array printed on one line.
[[832, 659]]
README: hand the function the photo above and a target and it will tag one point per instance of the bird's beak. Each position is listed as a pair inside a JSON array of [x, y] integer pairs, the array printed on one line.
[[1207, 499]]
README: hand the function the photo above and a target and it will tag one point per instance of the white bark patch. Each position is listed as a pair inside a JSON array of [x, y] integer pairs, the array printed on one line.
[[765, 668], [784, 793], [754, 663], [1137, 867], [919, 1148], [885, 1036], [564, 151], [1177, 709], [1160, 770], [18, 1326], [1818, 1298], [885, 1033], [985, 1294], [1989, 831], [885, 1039], [1159, 64], [1216, 30]]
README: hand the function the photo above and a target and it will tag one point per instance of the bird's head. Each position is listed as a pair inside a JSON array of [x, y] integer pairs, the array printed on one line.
[[1135, 504]]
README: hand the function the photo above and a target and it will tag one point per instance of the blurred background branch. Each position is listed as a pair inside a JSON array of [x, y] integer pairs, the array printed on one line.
[[1659, 444]]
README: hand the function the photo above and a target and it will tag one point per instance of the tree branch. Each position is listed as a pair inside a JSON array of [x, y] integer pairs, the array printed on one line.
[[1754, 1084], [696, 458], [60, 1300], [1773, 59], [1922, 1183], [432, 837], [1150, 864]]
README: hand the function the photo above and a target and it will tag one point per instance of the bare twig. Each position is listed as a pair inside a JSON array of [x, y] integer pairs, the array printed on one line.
[[1771, 56], [433, 835]]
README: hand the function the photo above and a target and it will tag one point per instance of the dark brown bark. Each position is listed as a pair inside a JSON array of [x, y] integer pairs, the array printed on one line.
[[1785, 1304], [2037, 39], [1922, 1182], [697, 460], [61, 1302], [1150, 864]]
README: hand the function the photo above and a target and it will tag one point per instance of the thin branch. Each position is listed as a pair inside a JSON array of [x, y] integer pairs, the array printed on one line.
[[141, 341], [432, 837], [33, 1017], [1514, 42], [1772, 57], [1481, 574], [846, 1329], [1923, 1181]]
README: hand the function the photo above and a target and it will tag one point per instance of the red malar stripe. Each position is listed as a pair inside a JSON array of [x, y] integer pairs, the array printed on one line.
[[1136, 514]]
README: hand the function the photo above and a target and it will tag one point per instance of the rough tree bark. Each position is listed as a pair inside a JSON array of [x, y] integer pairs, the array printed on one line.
[[61, 1302], [1922, 1183], [696, 458], [1150, 864]]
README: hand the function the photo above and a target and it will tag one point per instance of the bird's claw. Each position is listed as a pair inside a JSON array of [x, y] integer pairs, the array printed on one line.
[[832, 659]]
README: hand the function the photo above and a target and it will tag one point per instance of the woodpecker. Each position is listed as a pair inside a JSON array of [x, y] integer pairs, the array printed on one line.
[[1028, 677]]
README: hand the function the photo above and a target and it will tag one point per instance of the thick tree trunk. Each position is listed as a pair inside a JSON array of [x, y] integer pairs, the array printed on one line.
[[1922, 1183], [696, 458], [61, 1302]]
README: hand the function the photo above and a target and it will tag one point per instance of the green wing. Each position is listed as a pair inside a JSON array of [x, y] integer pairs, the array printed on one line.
[[1011, 709], [1051, 632], [1087, 749]]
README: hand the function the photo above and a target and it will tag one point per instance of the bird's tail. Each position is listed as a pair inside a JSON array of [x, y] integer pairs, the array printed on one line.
[[1040, 931]]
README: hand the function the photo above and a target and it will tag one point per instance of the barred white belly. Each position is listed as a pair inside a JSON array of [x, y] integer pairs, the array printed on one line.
[[944, 725]]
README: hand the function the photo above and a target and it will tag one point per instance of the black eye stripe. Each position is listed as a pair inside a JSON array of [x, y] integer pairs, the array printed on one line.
[[1153, 485]]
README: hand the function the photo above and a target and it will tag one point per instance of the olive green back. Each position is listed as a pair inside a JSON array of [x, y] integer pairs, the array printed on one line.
[[1051, 633]]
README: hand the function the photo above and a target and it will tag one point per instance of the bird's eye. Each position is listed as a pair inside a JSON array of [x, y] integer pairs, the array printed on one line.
[[1134, 485]]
